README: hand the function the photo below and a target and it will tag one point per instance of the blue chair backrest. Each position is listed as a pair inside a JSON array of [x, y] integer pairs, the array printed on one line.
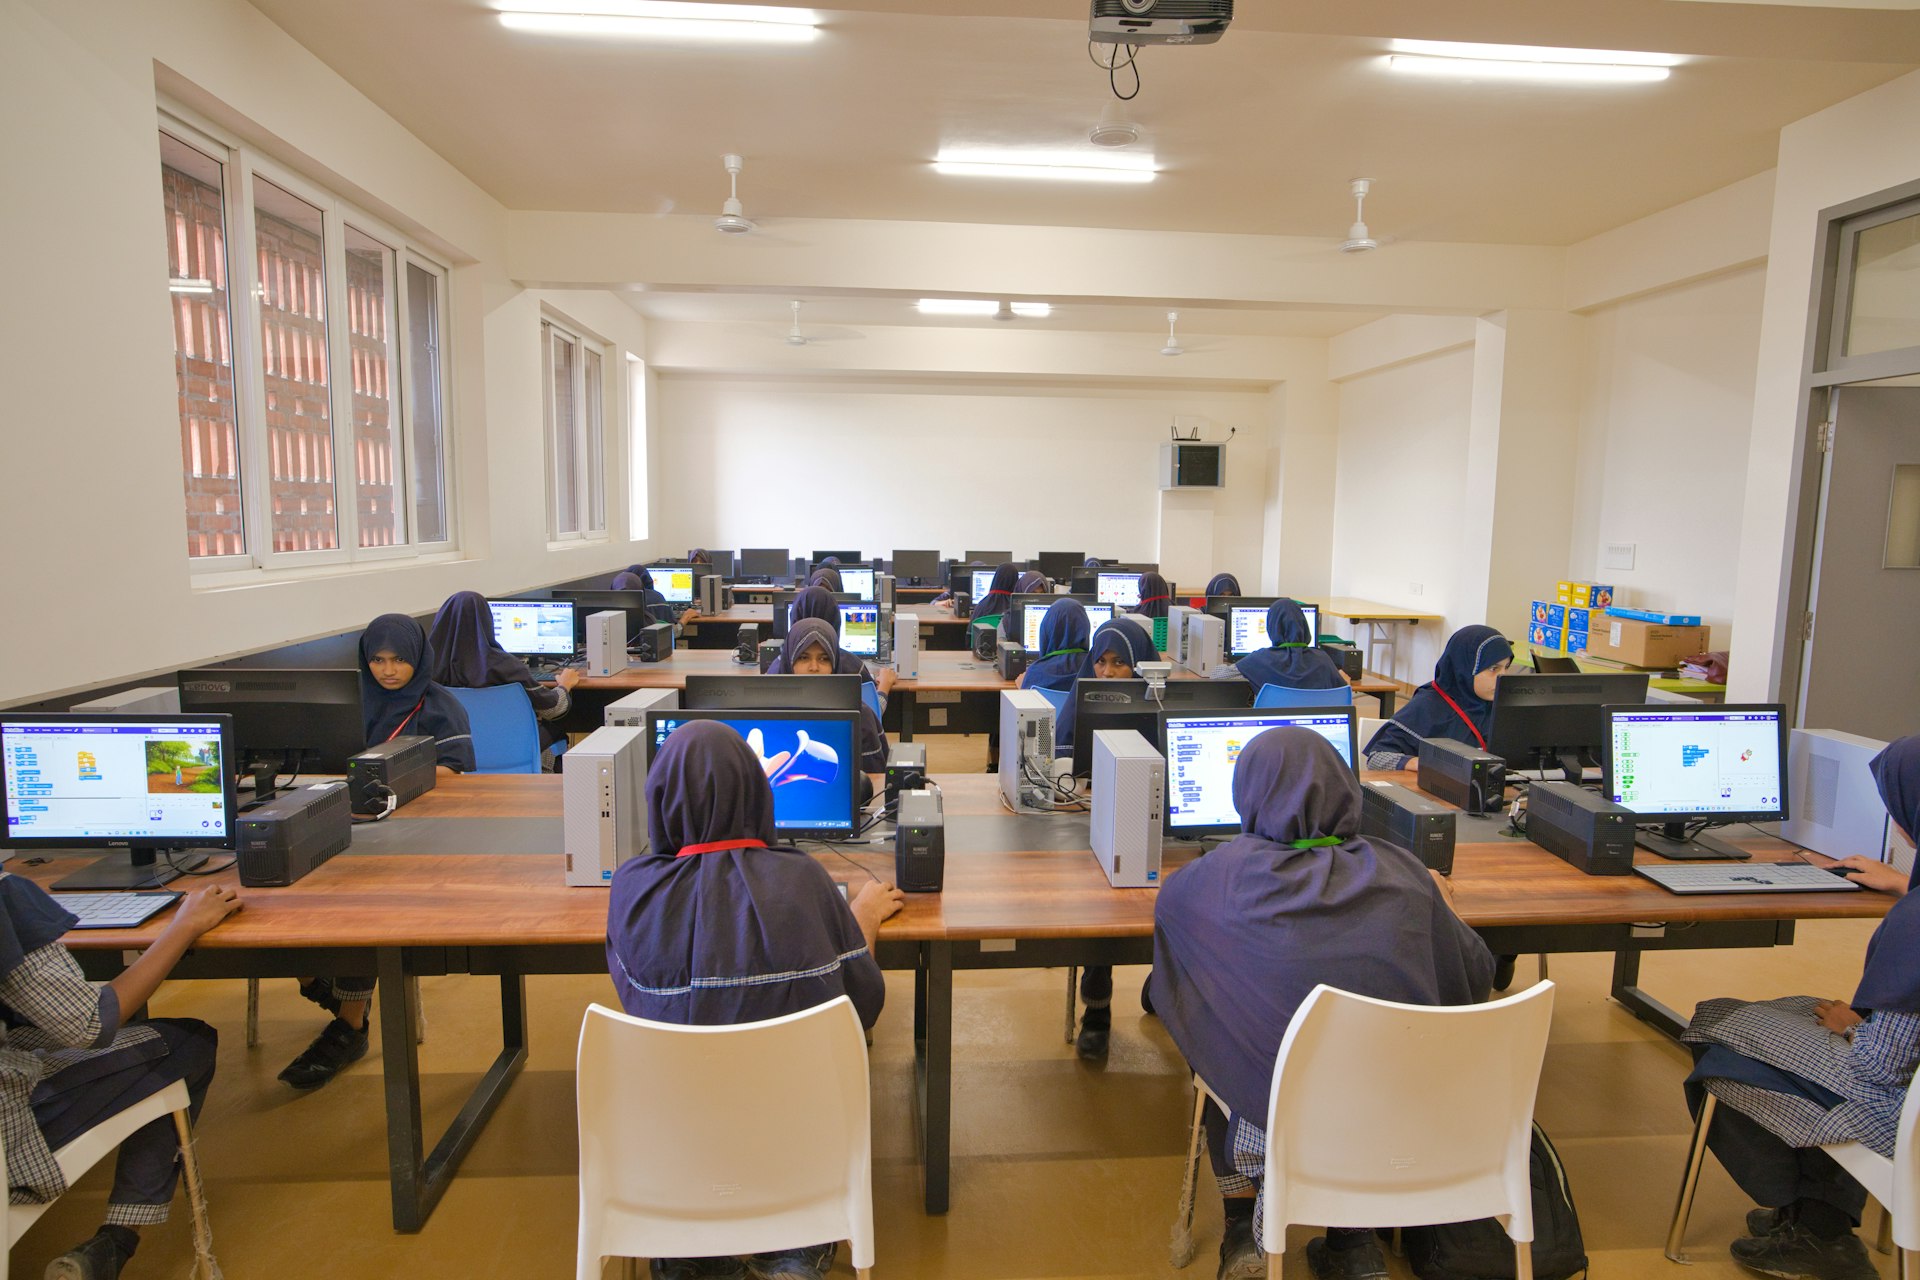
[[871, 694], [1058, 697], [506, 735], [1278, 695]]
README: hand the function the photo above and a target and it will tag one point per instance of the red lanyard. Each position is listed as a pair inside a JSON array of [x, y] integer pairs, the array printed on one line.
[[409, 720], [1154, 599], [718, 846], [1471, 727]]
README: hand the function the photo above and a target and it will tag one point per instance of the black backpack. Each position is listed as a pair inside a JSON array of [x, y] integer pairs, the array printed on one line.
[[1481, 1250]]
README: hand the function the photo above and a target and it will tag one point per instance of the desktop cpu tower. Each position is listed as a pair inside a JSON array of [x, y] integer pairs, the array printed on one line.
[[1129, 807], [1836, 804], [713, 591], [1026, 748], [146, 700], [1206, 643], [883, 590], [1177, 615], [606, 642], [604, 803], [906, 645], [630, 712]]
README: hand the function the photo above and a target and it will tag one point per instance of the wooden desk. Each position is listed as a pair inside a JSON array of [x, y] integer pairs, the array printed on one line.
[[1379, 620], [763, 613], [1021, 892]]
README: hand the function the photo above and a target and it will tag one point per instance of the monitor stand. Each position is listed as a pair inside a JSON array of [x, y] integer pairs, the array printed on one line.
[[1671, 842], [133, 869]]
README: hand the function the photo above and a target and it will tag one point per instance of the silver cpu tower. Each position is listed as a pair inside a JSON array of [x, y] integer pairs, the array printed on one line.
[[1026, 747], [606, 642], [603, 808], [1129, 807]]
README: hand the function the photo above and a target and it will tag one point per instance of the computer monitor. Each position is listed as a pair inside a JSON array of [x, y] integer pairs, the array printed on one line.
[[632, 603], [782, 603], [1246, 619], [917, 568], [812, 758], [1549, 722], [1059, 565], [860, 628], [1122, 589], [1689, 767], [764, 562], [1201, 750], [534, 628], [844, 557], [995, 558], [1033, 608], [155, 785], [676, 582], [286, 720], [1130, 704], [720, 561], [980, 583], [856, 582], [771, 693]]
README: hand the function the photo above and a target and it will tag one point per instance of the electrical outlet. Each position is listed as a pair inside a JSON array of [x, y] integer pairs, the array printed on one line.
[[1617, 555], [1416, 588]]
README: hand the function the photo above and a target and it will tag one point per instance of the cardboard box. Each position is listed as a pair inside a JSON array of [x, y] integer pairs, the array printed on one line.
[[1548, 614], [1654, 615], [1542, 636], [1585, 595], [1645, 644]]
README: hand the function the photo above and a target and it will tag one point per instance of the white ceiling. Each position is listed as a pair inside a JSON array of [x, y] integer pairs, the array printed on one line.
[[1258, 133]]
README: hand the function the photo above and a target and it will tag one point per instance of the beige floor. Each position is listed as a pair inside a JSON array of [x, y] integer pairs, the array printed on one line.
[[1060, 1169]]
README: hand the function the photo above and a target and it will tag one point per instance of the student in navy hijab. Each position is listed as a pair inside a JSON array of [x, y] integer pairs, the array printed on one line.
[[993, 606], [467, 656], [1290, 661], [1242, 936], [828, 577], [1796, 1074], [1457, 704], [636, 578], [1156, 593], [1223, 584], [812, 648], [1117, 649], [1063, 646], [718, 924], [818, 602], [398, 694]]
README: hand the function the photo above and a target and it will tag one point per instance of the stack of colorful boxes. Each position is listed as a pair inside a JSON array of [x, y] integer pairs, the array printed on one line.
[[1562, 625]]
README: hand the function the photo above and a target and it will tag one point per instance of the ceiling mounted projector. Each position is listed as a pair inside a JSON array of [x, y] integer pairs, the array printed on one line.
[[1159, 21], [1359, 239], [731, 219]]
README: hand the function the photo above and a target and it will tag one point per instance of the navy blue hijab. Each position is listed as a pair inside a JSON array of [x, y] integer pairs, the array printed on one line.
[[1448, 707], [999, 593], [814, 633], [717, 924], [1891, 977], [1290, 661], [1241, 936], [818, 602], [1223, 584], [1122, 635], [466, 654], [1063, 646], [827, 576], [418, 707], [636, 578], [1156, 593]]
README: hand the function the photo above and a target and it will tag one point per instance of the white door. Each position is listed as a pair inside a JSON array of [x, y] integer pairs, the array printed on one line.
[[1862, 666]]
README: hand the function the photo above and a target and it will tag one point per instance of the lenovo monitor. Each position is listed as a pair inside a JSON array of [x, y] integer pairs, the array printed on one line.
[[1202, 748], [1131, 704], [1691, 767], [811, 758], [286, 720], [534, 628], [1555, 722], [917, 568], [771, 693]]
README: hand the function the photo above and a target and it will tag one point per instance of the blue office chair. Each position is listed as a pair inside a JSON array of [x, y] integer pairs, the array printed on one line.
[[1277, 695], [1058, 697], [870, 692], [506, 736]]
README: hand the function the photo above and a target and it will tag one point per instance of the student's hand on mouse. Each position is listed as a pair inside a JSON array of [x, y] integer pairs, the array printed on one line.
[[1836, 1016], [204, 908], [1869, 873], [877, 901], [567, 677], [884, 679]]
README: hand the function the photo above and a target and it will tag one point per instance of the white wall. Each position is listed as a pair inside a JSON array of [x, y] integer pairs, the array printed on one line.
[[877, 465], [1399, 494], [91, 508], [1663, 443]]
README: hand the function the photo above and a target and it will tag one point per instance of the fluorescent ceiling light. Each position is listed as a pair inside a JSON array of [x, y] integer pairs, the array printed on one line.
[[979, 307], [179, 284], [1057, 166], [663, 20], [1528, 62]]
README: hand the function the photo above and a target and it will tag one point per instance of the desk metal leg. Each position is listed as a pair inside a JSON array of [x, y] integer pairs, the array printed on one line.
[[906, 712], [1386, 701], [933, 1069], [417, 1182], [1626, 989]]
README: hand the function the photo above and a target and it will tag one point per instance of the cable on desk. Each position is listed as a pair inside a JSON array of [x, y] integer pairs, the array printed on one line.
[[179, 870], [393, 802]]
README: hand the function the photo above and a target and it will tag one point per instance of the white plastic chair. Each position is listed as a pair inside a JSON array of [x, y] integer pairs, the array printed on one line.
[[699, 1142], [1392, 1115], [1368, 727], [1894, 1183], [86, 1151]]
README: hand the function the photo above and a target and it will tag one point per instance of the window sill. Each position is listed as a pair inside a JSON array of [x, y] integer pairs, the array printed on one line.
[[572, 544], [243, 579]]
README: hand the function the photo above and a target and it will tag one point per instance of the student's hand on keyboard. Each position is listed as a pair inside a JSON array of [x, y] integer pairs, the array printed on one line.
[[1865, 872], [204, 908], [567, 677]]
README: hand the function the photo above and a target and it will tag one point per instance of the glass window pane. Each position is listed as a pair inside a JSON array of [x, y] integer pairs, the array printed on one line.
[[563, 405], [429, 448], [593, 424], [192, 188], [370, 302], [1885, 311], [293, 338]]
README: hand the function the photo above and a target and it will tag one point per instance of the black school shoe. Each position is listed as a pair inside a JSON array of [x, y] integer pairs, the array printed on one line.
[[1794, 1253], [810, 1263], [320, 991], [97, 1259], [1365, 1261], [1240, 1256], [697, 1269], [336, 1047]]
